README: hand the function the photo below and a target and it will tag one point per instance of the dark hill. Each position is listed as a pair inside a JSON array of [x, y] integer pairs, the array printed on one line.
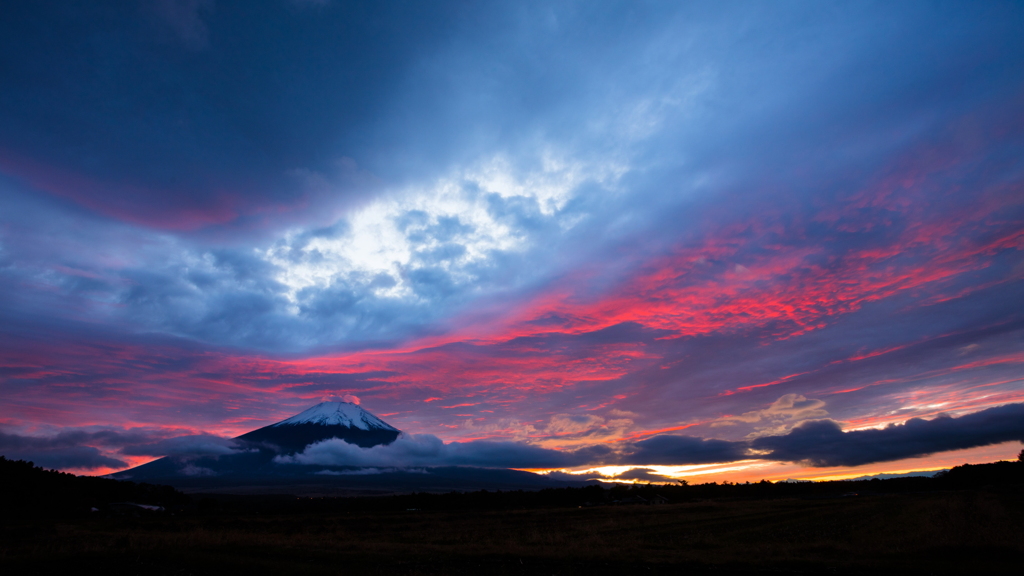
[[31, 491]]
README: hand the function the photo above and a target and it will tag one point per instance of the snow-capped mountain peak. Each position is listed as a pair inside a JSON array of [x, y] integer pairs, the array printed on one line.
[[338, 414]]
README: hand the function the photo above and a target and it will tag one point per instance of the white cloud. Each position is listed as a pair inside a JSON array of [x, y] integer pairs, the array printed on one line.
[[451, 225], [429, 450]]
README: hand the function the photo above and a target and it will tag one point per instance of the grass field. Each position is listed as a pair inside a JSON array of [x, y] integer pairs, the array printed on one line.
[[971, 531]]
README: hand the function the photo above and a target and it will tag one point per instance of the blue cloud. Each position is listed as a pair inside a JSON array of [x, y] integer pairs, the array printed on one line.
[[287, 181], [678, 450], [823, 443]]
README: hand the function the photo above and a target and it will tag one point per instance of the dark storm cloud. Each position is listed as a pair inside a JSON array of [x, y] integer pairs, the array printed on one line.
[[90, 449], [71, 457], [823, 443], [65, 450], [679, 450]]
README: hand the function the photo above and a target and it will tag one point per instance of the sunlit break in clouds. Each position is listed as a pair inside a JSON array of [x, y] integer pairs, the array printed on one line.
[[636, 241]]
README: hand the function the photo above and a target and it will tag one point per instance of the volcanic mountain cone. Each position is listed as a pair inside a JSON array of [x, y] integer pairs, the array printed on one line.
[[258, 463], [342, 420], [255, 451]]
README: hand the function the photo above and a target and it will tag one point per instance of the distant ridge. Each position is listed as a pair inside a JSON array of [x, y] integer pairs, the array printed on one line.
[[884, 476]]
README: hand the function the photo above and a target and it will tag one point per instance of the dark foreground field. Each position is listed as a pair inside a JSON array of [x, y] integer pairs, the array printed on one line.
[[953, 532]]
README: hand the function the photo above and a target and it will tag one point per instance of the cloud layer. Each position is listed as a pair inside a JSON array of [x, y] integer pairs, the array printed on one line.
[[823, 443], [670, 228], [110, 448], [820, 443], [428, 450]]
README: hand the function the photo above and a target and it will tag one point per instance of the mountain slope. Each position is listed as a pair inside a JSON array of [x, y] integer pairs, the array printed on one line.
[[343, 420], [257, 449], [337, 414], [252, 469]]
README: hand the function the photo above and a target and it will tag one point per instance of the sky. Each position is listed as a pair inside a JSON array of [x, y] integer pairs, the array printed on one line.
[[714, 241]]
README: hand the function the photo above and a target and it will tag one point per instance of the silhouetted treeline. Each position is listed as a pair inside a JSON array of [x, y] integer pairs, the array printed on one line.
[[962, 477], [29, 491]]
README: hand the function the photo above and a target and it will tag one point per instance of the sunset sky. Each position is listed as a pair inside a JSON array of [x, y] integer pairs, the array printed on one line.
[[695, 240]]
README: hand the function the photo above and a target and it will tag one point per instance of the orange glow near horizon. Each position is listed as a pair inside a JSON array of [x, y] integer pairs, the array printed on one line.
[[757, 470]]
